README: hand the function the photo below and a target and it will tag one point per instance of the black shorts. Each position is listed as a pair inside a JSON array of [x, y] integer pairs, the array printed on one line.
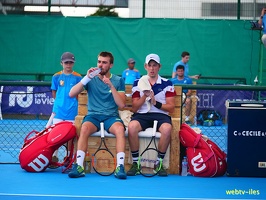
[[146, 119]]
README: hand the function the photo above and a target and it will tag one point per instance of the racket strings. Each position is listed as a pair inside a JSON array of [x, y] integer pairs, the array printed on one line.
[[148, 159], [103, 162], [147, 162]]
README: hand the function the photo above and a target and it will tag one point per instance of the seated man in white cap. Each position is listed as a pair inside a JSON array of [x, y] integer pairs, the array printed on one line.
[[161, 96]]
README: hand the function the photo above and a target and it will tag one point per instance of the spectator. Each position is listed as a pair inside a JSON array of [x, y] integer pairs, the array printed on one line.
[[130, 74], [181, 79], [62, 82], [106, 93], [162, 102], [262, 23], [184, 61]]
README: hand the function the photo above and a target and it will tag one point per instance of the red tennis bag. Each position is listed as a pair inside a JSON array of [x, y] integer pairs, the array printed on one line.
[[205, 158], [37, 150]]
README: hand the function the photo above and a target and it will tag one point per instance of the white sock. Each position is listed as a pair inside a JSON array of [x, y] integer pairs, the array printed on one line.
[[80, 157], [120, 157], [135, 159]]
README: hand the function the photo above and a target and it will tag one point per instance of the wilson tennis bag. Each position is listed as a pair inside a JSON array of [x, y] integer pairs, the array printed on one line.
[[205, 158], [38, 148]]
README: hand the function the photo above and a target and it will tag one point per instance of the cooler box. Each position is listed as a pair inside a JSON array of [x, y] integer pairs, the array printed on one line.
[[246, 140]]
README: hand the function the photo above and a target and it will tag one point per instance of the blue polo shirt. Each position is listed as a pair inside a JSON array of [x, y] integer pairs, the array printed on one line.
[[185, 66], [185, 80], [65, 107], [100, 98], [130, 75], [264, 24]]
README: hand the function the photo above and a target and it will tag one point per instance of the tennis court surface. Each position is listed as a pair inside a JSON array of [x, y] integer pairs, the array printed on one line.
[[16, 183], [52, 184]]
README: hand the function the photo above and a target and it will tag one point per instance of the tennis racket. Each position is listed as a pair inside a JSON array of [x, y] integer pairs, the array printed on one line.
[[50, 121], [148, 157], [61, 156], [184, 98], [103, 161], [144, 85]]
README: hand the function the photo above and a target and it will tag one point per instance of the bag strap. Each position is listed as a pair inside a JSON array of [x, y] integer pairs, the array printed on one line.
[[35, 134], [71, 158], [218, 152], [28, 138], [197, 140]]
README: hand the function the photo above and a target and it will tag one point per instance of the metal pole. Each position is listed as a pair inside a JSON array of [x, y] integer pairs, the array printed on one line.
[[238, 8], [261, 60], [143, 8], [49, 7], [254, 9]]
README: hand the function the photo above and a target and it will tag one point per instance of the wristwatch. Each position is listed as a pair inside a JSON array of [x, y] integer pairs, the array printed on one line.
[[261, 16]]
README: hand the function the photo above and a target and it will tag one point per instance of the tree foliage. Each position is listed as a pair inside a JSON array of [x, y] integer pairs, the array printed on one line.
[[105, 11]]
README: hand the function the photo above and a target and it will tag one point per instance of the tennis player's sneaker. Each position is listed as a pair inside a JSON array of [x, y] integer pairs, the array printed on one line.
[[76, 172], [134, 170], [160, 169], [120, 172]]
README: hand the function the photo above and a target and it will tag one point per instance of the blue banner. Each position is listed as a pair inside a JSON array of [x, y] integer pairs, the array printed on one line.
[[26, 100], [39, 100], [216, 99]]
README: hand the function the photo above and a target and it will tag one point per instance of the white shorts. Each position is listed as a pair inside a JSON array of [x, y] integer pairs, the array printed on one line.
[[263, 39], [55, 121]]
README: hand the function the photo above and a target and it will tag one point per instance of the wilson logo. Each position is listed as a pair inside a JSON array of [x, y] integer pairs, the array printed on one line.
[[197, 163], [39, 163]]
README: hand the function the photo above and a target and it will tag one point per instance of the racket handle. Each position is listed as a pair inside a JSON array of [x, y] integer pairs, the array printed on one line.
[[155, 122], [50, 121], [102, 129]]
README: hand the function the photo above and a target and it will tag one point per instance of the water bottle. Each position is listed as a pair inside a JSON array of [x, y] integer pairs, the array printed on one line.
[[87, 163], [184, 170], [95, 72]]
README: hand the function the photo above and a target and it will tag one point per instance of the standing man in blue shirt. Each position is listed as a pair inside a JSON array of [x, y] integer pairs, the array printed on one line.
[[184, 61], [130, 74], [181, 79], [262, 23]]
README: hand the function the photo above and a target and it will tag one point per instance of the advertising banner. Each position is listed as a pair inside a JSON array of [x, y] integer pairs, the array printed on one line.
[[215, 99], [26, 100]]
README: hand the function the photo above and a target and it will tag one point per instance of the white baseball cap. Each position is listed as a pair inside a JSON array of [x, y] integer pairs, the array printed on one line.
[[152, 56]]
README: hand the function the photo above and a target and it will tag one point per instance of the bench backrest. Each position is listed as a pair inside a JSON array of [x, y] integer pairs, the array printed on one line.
[[83, 100]]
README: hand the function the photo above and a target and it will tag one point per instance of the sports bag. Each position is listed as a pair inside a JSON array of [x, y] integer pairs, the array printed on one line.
[[205, 158], [209, 118], [38, 148]]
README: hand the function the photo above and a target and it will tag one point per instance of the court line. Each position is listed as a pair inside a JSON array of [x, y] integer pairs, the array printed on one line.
[[105, 197]]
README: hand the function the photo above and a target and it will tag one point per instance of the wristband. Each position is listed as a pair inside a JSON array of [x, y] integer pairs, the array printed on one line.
[[85, 80], [158, 105]]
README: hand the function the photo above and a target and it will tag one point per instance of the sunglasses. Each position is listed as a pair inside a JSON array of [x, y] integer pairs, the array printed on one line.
[[68, 62]]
